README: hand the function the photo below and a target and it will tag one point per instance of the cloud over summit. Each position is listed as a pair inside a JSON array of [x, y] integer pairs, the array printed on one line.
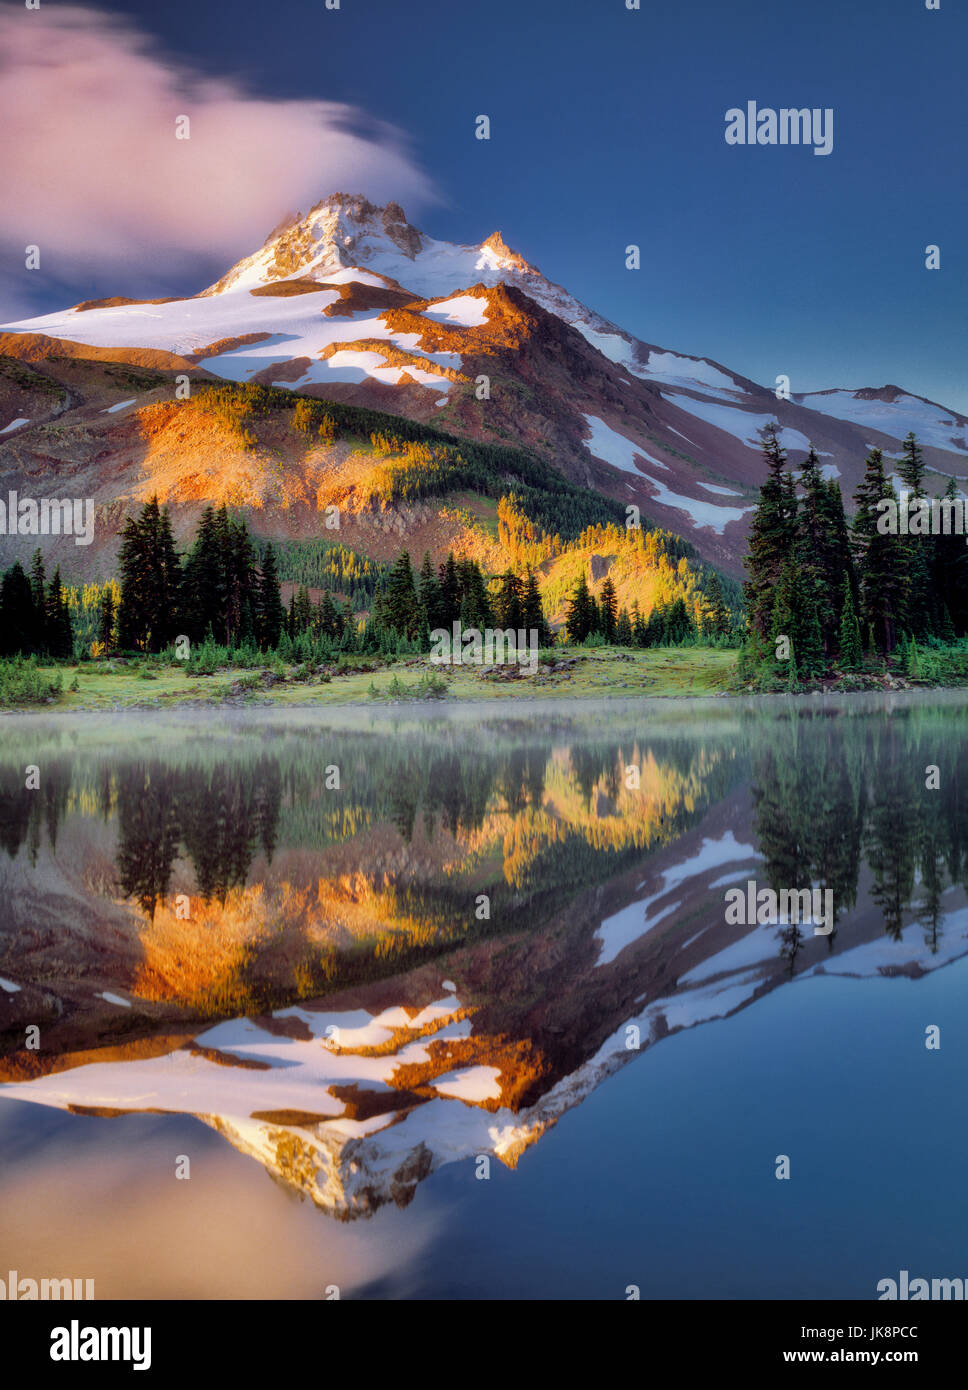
[[92, 172]]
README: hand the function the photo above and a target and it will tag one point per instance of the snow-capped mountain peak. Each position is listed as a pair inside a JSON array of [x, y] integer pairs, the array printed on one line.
[[343, 230], [351, 302], [347, 231]]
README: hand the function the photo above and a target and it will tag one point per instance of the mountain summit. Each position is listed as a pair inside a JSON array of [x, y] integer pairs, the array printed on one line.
[[347, 230], [350, 302]]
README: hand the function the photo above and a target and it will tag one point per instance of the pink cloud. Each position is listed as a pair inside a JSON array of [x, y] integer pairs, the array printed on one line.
[[92, 173]]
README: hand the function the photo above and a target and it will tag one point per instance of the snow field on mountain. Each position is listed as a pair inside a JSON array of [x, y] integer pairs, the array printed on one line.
[[614, 448], [296, 325], [739, 423], [711, 515], [896, 418], [610, 446], [467, 310]]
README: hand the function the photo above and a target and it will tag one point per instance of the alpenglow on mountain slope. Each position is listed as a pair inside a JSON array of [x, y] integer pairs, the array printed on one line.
[[351, 303]]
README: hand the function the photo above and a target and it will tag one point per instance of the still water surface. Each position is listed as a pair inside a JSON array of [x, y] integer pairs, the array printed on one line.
[[462, 987]]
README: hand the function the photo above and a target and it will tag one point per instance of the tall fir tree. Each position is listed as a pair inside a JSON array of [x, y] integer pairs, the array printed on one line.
[[402, 608], [150, 580], [507, 601], [923, 615], [910, 466], [244, 589], [450, 590], [270, 611], [772, 539], [717, 619], [475, 604], [19, 619], [579, 619], [608, 609], [880, 558], [328, 618], [820, 555], [60, 636], [38, 591], [430, 595], [532, 611], [106, 617], [850, 643], [204, 584], [949, 565]]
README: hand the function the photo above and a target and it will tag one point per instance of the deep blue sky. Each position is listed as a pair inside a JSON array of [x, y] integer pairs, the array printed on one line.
[[607, 128]]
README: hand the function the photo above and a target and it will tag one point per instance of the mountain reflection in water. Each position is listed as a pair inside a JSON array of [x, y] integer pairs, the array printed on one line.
[[437, 951]]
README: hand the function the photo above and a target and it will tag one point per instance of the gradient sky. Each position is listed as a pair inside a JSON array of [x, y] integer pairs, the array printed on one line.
[[607, 128]]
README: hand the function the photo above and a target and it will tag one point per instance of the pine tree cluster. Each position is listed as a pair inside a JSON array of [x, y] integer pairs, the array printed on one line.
[[837, 589], [411, 606], [34, 616], [668, 625], [217, 589]]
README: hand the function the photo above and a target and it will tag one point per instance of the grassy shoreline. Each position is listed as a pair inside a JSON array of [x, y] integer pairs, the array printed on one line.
[[576, 673]]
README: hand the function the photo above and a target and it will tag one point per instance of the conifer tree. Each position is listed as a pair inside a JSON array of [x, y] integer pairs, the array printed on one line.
[[300, 611], [106, 620], [795, 617], [241, 580], [270, 612], [772, 534], [950, 568], [347, 625], [328, 618], [717, 614], [401, 613], [532, 611], [880, 558], [18, 616], [607, 609], [910, 466], [38, 591], [150, 580], [204, 584], [450, 590], [842, 560], [60, 636], [507, 601], [430, 595], [167, 583], [475, 605], [578, 621], [819, 556], [922, 610], [850, 644]]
